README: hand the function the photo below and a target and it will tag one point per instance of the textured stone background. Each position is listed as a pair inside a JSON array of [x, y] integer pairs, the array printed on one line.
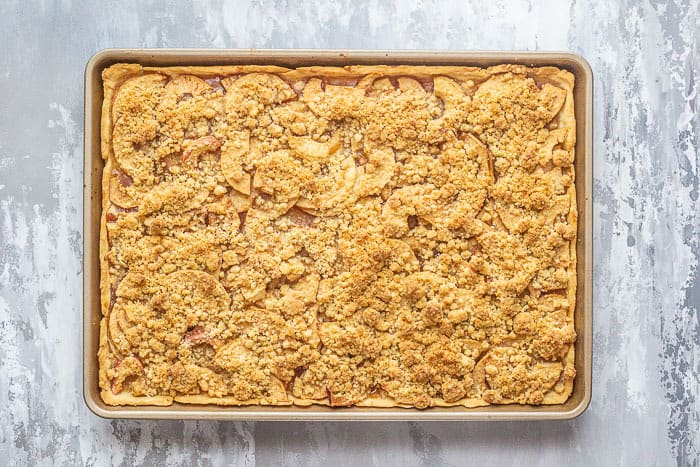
[[645, 56]]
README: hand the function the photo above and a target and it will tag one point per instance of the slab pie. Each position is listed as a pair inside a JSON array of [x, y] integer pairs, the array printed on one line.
[[385, 236]]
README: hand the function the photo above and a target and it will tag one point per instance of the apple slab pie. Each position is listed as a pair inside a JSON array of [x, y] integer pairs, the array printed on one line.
[[385, 236]]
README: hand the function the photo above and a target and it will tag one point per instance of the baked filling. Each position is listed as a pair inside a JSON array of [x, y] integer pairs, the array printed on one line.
[[368, 235]]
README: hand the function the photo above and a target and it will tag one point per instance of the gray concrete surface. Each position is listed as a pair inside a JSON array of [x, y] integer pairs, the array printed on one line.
[[645, 56]]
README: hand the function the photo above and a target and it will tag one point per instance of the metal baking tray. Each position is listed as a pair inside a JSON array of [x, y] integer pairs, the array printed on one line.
[[583, 96]]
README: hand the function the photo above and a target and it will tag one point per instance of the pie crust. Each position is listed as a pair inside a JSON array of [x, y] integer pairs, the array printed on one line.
[[384, 236]]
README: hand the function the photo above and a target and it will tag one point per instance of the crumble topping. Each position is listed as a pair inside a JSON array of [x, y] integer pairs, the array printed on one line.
[[383, 239]]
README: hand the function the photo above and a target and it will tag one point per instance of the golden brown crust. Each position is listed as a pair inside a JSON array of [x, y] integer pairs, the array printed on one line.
[[378, 236]]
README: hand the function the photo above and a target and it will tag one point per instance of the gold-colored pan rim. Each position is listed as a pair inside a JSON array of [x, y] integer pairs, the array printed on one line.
[[92, 186]]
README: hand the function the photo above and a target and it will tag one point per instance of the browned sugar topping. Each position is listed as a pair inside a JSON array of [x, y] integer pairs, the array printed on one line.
[[383, 240]]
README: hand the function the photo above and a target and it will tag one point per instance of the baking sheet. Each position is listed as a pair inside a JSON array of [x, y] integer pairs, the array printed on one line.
[[93, 165]]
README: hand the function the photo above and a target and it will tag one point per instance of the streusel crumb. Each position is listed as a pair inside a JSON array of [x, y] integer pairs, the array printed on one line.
[[369, 235]]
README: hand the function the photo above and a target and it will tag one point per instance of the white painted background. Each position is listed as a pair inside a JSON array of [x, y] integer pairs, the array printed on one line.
[[645, 56]]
